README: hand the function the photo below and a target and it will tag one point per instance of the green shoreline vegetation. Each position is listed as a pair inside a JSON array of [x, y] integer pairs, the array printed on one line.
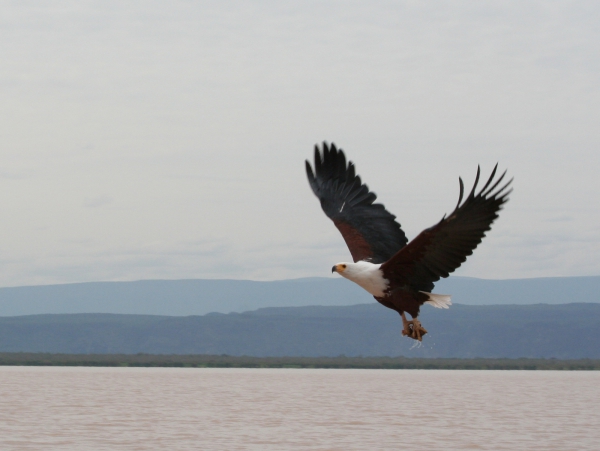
[[341, 362]]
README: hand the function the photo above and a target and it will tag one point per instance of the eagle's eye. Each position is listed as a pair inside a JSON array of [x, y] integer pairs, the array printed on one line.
[[344, 266]]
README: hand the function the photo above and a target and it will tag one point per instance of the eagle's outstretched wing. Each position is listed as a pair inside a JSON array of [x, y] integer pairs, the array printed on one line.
[[439, 250], [369, 230]]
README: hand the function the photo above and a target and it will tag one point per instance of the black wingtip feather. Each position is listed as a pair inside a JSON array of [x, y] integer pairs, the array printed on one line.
[[351, 171], [490, 179], [472, 193], [309, 171], [462, 192], [318, 160], [493, 187]]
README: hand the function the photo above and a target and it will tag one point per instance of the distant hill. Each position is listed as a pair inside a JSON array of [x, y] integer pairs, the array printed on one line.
[[177, 297], [534, 331], [198, 297]]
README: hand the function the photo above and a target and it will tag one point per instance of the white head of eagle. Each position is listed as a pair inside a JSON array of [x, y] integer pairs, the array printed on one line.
[[366, 274]]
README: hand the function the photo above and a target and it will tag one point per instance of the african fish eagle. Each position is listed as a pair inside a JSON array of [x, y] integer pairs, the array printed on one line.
[[400, 275]]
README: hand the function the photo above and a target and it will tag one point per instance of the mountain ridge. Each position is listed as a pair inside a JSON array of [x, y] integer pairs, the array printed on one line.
[[567, 331], [201, 296]]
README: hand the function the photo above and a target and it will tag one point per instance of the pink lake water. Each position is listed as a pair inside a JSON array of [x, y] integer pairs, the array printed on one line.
[[79, 408]]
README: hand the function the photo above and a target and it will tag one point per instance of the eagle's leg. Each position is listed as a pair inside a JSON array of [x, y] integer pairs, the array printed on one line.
[[406, 324], [412, 328]]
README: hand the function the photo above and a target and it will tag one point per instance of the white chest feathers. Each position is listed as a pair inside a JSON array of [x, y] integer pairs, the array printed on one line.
[[365, 274]]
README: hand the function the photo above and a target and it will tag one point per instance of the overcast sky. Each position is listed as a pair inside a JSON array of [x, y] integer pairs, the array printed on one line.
[[167, 139]]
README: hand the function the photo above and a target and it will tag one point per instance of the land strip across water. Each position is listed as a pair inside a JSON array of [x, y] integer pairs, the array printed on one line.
[[341, 362]]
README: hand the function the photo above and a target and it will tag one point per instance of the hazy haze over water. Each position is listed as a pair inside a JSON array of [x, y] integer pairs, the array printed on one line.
[[273, 409]]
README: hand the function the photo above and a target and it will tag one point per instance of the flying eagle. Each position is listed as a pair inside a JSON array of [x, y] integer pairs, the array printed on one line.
[[400, 275]]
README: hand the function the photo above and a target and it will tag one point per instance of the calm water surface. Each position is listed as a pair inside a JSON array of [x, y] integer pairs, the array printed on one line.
[[280, 409]]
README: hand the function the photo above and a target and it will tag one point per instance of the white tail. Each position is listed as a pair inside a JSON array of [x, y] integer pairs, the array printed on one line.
[[438, 300]]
